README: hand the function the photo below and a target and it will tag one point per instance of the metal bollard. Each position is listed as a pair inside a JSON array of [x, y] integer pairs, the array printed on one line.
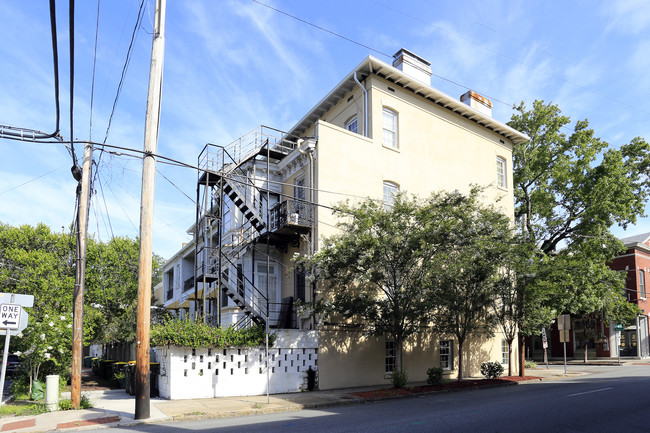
[[52, 392]]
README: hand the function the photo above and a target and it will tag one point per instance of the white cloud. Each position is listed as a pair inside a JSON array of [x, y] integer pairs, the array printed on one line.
[[626, 16]]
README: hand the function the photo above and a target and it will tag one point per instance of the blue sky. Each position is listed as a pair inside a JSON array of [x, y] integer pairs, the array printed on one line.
[[231, 66]]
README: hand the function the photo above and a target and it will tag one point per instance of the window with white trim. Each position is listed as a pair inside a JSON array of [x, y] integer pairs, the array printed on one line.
[[504, 352], [351, 124], [642, 283], [390, 356], [389, 128], [446, 359], [391, 190], [502, 180]]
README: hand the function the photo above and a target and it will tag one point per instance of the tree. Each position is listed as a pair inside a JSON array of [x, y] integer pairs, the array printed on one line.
[[112, 289], [464, 284], [569, 189], [37, 261], [373, 273]]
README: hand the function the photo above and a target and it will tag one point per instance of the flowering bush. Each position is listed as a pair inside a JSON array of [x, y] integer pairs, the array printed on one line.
[[491, 370], [45, 346]]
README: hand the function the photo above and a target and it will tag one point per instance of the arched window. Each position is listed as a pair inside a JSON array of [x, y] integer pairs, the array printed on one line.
[[351, 124], [391, 189]]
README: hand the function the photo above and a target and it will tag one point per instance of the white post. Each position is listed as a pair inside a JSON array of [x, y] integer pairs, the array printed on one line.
[[52, 392]]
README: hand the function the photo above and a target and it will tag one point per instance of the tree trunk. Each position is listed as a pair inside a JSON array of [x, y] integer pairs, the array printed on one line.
[[460, 360], [398, 354], [586, 348], [522, 355], [510, 357]]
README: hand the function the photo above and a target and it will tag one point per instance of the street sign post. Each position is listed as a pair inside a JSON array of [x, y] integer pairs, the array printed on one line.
[[564, 326], [618, 328], [545, 345], [13, 319]]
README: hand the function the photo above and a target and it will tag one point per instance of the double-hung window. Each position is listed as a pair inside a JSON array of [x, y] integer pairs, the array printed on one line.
[[391, 190], [504, 352], [642, 283], [502, 180], [389, 128], [446, 359], [390, 357]]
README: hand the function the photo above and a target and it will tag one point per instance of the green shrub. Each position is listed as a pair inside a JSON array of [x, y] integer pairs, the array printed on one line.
[[491, 370], [84, 403], [530, 364], [65, 404], [434, 376], [399, 378], [198, 334]]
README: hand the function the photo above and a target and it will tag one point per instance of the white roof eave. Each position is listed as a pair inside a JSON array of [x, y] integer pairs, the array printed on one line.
[[372, 65]]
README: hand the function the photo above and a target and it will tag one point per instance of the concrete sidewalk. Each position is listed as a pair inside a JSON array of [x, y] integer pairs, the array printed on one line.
[[116, 407]]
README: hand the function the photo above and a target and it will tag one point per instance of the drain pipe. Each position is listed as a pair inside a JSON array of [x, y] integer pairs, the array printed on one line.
[[310, 148], [365, 105]]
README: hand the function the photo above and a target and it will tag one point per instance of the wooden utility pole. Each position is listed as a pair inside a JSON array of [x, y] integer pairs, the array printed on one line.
[[142, 385], [78, 309]]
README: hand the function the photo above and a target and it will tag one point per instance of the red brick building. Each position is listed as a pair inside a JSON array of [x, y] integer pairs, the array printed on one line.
[[634, 341], [635, 262]]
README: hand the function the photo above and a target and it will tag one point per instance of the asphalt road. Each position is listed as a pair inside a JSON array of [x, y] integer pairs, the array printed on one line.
[[612, 399]]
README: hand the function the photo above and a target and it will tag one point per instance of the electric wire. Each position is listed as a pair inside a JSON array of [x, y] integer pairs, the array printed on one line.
[[127, 61], [92, 81], [323, 29], [29, 181], [16, 133], [71, 33]]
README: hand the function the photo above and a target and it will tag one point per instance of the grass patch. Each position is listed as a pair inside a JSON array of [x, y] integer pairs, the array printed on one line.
[[23, 408]]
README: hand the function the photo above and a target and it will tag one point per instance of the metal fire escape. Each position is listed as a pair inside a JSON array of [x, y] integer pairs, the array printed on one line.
[[224, 178]]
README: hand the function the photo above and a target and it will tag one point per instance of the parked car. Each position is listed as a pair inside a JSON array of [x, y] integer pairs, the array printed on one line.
[[13, 364]]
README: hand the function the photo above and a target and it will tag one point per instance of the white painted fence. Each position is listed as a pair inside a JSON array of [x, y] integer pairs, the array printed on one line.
[[207, 373]]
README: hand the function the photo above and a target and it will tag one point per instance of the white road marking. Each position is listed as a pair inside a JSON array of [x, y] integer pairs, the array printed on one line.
[[589, 392]]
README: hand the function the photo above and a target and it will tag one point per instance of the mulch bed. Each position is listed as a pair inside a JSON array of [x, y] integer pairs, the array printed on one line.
[[453, 385]]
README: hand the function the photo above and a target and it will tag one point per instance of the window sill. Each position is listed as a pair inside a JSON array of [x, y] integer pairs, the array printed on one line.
[[394, 149]]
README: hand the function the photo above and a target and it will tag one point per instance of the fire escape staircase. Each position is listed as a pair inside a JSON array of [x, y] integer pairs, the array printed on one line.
[[243, 293]]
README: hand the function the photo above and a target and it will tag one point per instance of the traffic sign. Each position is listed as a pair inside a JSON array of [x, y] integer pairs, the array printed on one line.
[[544, 340], [564, 322], [618, 327], [10, 316], [17, 298]]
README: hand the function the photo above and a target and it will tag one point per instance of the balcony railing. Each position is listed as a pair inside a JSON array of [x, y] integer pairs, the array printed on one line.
[[291, 213]]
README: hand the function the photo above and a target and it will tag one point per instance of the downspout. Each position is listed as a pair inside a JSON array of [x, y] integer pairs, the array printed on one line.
[[365, 105], [311, 147]]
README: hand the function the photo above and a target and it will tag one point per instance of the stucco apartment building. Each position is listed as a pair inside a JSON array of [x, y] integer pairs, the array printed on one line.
[[267, 196]]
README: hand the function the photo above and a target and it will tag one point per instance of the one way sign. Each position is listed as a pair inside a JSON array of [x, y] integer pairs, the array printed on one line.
[[10, 316]]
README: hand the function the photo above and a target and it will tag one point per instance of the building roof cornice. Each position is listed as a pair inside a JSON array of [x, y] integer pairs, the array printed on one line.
[[373, 66]]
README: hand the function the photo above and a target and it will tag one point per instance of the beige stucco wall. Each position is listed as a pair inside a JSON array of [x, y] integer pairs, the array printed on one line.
[[438, 150], [348, 358]]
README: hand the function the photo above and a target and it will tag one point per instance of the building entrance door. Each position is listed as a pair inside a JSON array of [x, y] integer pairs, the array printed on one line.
[[628, 344]]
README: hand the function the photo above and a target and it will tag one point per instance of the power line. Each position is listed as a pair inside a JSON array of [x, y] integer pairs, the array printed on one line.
[[127, 61], [92, 85], [17, 133], [323, 29], [31, 180]]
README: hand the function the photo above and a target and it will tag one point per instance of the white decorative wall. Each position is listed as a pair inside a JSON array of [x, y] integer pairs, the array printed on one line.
[[207, 373]]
